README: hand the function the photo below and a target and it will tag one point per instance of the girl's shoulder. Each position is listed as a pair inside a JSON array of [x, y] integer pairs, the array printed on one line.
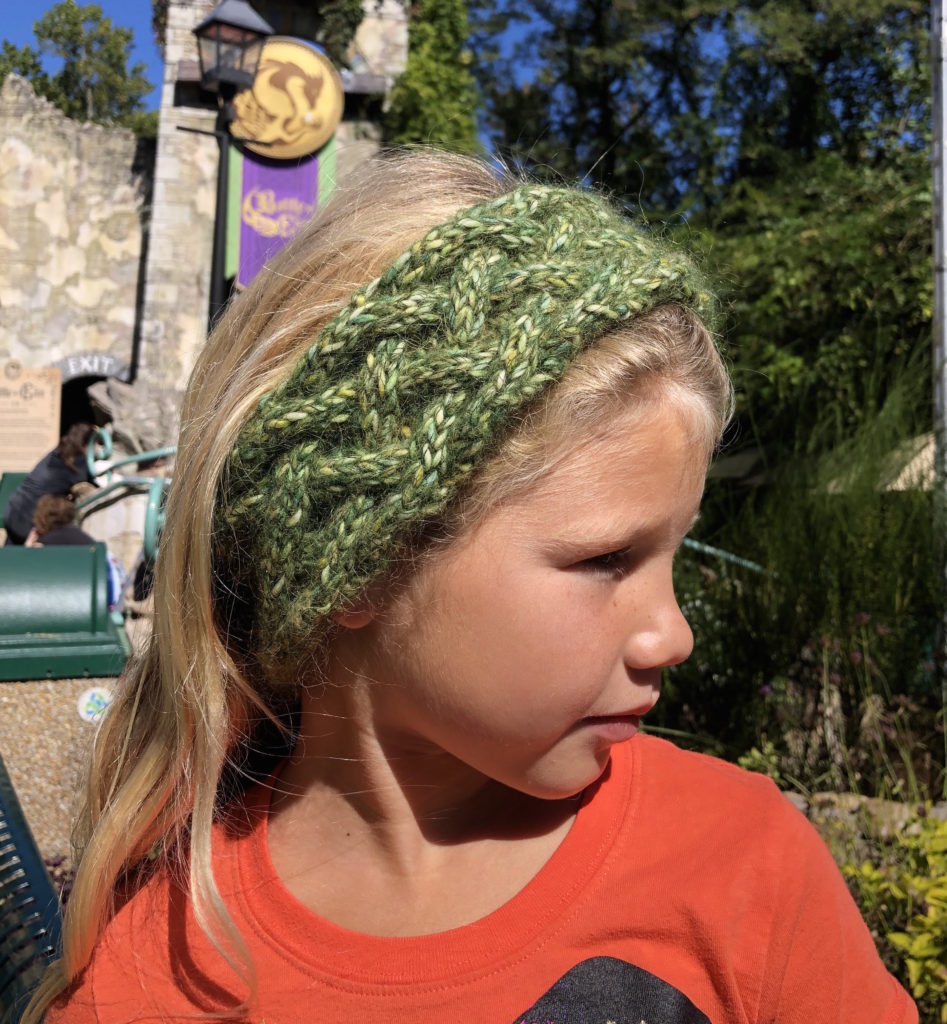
[[695, 776], [743, 873], [690, 796], [136, 942]]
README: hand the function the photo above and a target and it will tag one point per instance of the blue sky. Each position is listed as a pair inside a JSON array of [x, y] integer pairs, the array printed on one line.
[[16, 25]]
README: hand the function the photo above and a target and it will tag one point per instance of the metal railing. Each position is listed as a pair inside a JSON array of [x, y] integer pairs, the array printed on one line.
[[101, 448]]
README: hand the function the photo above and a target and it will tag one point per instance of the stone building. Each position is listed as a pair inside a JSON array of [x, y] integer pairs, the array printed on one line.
[[105, 240], [73, 205]]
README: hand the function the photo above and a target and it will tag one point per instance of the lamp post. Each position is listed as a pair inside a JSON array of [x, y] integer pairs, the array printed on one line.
[[229, 41]]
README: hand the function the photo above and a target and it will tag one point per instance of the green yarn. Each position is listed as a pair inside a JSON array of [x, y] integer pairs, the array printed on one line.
[[413, 383]]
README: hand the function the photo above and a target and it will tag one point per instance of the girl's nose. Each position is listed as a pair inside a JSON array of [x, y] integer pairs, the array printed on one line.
[[662, 637]]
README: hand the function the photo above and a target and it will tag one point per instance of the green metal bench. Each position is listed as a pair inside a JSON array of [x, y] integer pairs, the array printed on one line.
[[55, 621], [29, 909], [54, 615]]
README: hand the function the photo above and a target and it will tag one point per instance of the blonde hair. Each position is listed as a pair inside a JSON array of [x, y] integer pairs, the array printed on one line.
[[663, 357], [195, 695]]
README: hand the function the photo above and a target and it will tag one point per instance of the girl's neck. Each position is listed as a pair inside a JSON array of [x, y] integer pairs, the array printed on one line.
[[381, 834], [406, 795]]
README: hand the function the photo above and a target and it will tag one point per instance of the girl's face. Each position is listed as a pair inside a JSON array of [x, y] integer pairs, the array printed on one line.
[[534, 642]]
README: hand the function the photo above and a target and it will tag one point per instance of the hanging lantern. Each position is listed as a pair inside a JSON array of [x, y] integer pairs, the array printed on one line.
[[230, 40]]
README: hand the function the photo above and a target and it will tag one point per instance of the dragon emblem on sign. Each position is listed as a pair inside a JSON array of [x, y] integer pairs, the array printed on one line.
[[294, 104]]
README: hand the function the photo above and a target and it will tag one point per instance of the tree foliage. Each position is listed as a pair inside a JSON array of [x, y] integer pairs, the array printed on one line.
[[340, 20], [827, 271], [20, 60], [597, 90], [673, 102], [94, 81], [434, 101], [787, 139]]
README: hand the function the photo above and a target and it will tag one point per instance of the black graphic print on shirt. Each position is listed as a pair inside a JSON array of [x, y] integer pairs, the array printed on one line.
[[605, 990]]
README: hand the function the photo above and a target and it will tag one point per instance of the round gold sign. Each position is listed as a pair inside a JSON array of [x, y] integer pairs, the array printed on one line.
[[294, 104]]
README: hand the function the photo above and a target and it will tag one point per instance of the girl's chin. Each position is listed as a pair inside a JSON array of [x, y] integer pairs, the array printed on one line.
[[568, 784]]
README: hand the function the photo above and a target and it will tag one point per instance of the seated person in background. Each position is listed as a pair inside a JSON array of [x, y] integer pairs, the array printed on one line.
[[56, 473], [54, 522]]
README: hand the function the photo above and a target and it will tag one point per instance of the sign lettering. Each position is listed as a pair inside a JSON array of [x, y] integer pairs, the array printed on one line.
[[29, 414]]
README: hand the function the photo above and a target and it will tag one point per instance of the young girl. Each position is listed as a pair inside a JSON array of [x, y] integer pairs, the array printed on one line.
[[416, 577]]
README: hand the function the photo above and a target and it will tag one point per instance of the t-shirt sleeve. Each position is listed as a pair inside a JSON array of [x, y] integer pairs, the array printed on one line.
[[822, 964], [110, 989], [77, 1008], [107, 992]]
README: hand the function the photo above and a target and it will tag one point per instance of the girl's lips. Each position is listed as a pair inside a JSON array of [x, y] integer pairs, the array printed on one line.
[[614, 727]]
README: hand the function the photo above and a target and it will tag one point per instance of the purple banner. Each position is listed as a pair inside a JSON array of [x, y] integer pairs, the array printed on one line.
[[277, 197]]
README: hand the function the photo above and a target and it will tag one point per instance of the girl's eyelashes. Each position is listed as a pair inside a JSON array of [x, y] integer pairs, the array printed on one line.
[[616, 563], [612, 563]]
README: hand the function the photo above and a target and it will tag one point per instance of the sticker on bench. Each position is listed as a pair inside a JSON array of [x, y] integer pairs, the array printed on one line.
[[92, 703]]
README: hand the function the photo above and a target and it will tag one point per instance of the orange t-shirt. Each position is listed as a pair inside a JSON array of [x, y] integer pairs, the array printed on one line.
[[687, 891]]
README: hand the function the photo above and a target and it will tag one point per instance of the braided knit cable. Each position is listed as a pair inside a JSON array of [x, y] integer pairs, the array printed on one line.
[[412, 384]]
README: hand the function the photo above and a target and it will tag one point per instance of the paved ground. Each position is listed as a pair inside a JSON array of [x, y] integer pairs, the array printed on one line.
[[43, 741], [42, 738]]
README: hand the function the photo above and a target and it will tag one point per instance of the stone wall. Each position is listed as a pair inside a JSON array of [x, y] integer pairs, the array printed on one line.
[[105, 250], [852, 825], [380, 45], [73, 198], [174, 315]]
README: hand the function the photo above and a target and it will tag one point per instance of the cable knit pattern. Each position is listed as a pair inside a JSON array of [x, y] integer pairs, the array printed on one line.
[[410, 386]]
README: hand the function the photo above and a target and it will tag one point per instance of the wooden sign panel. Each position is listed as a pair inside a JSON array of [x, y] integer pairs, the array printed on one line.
[[29, 414]]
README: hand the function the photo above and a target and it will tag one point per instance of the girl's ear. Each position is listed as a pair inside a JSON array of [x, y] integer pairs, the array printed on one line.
[[354, 617], [364, 608]]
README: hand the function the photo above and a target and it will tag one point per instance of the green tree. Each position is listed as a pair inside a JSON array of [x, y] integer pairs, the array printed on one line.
[[792, 139], [21, 60], [601, 91], [94, 81], [672, 102], [435, 100], [827, 272]]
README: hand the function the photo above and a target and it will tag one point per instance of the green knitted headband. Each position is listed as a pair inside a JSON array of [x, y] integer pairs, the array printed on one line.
[[413, 383]]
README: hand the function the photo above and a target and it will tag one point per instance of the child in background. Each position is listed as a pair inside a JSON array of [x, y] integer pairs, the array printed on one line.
[[54, 523], [382, 760]]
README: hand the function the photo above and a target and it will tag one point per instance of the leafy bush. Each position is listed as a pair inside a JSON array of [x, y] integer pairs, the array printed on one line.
[[902, 892], [829, 277]]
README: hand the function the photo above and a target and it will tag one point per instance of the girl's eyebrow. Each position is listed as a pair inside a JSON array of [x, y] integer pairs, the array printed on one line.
[[611, 536]]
